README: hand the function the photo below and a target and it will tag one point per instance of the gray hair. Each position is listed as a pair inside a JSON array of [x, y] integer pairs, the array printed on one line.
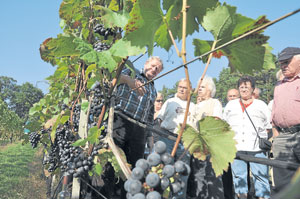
[[279, 74], [158, 59], [210, 85]]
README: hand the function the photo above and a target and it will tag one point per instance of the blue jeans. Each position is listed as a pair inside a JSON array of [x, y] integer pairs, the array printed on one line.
[[260, 175], [186, 158]]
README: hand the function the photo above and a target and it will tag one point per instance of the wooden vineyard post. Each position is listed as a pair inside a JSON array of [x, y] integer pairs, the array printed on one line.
[[83, 133]]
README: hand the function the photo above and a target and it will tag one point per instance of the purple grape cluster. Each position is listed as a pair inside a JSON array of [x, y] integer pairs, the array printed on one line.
[[150, 178]]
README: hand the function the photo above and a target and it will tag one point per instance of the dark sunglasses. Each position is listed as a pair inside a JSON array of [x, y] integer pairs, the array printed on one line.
[[159, 100]]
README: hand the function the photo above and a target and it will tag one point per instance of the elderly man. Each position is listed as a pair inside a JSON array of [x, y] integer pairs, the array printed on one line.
[[232, 94], [171, 116], [256, 93], [286, 116]]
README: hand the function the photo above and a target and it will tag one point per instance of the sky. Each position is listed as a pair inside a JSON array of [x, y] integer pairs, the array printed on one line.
[[24, 25]]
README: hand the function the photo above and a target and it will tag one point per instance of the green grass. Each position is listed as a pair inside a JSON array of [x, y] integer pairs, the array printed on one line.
[[14, 170]]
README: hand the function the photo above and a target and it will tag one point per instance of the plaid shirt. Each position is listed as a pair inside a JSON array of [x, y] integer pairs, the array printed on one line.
[[140, 108]]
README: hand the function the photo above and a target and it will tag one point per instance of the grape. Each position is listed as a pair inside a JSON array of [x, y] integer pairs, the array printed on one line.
[[137, 173], [153, 195], [152, 180], [153, 159], [160, 147], [142, 163], [166, 158], [176, 187], [179, 166], [126, 184], [139, 196], [168, 170], [135, 187], [164, 183]]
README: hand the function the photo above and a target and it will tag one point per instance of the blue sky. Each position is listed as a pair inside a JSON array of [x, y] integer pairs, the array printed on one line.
[[26, 24]]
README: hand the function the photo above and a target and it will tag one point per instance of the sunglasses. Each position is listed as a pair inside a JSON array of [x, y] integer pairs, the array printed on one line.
[[159, 100]]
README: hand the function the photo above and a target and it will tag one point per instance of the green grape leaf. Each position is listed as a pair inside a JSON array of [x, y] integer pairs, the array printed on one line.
[[70, 9], [123, 48], [94, 134], [145, 19], [90, 68], [114, 5], [201, 47], [98, 169], [269, 59], [103, 59], [80, 142], [247, 54], [196, 11], [63, 46], [215, 138], [64, 119], [220, 21], [245, 24], [112, 19], [84, 106]]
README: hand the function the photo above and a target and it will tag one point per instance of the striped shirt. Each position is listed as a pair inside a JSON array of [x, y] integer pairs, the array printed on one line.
[[140, 108]]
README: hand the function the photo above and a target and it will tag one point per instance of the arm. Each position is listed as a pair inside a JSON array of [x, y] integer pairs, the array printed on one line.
[[132, 83]]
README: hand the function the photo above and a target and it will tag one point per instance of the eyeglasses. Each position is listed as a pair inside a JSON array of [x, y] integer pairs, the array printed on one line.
[[159, 100]]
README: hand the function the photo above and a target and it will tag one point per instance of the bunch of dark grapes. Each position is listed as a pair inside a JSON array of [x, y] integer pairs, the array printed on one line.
[[151, 177], [101, 30], [99, 46], [76, 117], [34, 139]]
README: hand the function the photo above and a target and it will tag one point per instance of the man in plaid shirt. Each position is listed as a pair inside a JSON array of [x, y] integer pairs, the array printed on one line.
[[137, 104]]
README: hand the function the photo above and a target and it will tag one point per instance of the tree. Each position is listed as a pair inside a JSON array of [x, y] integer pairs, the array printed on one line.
[[7, 88], [265, 80], [23, 99]]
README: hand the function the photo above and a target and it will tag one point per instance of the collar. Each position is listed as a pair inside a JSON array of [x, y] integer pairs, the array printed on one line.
[[290, 80]]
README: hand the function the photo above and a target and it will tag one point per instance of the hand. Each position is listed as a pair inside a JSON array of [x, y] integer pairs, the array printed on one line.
[[141, 90]]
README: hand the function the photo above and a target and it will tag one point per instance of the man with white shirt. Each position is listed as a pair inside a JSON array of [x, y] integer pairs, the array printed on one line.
[[247, 139], [171, 116]]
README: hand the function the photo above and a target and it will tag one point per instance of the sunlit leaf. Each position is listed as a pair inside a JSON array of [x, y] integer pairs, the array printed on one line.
[[145, 18], [215, 138]]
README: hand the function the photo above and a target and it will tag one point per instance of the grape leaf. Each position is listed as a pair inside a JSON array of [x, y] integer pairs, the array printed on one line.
[[103, 59], [123, 48], [220, 21], [215, 138], [247, 54], [269, 58], [145, 19], [201, 47], [112, 19], [62, 46], [196, 11]]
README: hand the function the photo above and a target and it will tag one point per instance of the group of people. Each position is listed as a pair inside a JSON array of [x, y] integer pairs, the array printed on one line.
[[248, 117]]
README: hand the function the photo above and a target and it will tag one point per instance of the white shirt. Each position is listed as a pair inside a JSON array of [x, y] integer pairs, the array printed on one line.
[[217, 107], [245, 134], [172, 113]]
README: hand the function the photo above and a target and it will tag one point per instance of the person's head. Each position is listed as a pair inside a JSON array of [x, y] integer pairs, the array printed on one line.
[[289, 61], [158, 102], [153, 67], [279, 75], [232, 94], [182, 89], [246, 85], [256, 93], [207, 89]]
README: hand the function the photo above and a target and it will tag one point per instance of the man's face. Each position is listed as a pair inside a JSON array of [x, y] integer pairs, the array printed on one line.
[[152, 68], [182, 90], [246, 90], [232, 94], [256, 93], [291, 67], [158, 102]]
